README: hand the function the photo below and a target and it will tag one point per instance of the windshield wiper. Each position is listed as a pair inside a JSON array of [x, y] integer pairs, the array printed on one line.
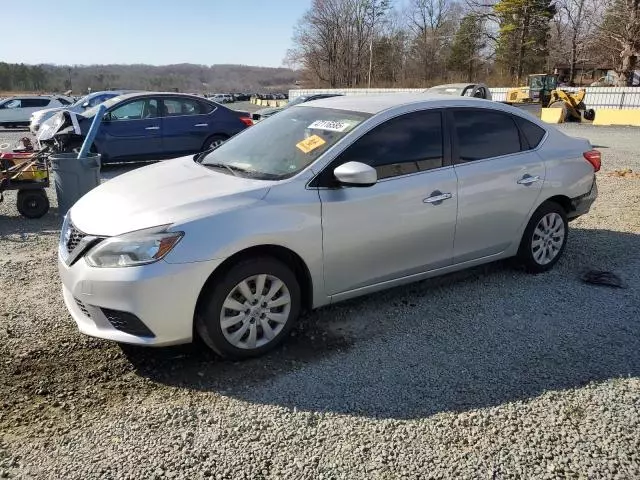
[[234, 169], [224, 165]]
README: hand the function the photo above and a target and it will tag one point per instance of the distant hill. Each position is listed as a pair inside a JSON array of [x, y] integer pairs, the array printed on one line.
[[186, 77]]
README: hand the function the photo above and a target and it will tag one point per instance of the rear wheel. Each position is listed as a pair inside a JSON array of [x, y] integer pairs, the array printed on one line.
[[544, 239], [32, 203], [214, 141], [250, 309]]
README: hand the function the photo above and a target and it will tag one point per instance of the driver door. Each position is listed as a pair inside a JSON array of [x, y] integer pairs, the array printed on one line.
[[132, 131], [394, 228]]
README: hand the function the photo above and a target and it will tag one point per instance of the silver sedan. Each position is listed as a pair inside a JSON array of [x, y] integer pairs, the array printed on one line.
[[326, 201]]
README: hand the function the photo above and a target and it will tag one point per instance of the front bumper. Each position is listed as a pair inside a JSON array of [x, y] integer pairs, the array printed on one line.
[[162, 296], [582, 204]]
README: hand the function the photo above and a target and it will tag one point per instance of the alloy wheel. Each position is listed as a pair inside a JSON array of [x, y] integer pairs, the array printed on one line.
[[255, 311], [548, 238], [216, 143]]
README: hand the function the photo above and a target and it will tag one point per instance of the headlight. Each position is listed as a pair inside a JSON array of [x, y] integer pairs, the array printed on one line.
[[133, 249]]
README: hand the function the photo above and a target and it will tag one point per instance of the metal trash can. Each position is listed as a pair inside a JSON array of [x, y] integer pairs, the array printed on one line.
[[73, 177]]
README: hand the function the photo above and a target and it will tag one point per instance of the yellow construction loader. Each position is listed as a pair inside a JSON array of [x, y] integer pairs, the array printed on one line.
[[542, 89]]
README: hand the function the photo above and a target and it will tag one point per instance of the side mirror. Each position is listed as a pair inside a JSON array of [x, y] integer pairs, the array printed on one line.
[[85, 105], [356, 174], [106, 117]]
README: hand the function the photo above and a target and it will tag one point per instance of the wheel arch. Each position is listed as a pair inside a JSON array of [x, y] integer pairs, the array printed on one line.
[[283, 254], [562, 200]]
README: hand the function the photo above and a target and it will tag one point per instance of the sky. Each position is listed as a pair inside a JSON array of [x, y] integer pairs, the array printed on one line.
[[161, 32]]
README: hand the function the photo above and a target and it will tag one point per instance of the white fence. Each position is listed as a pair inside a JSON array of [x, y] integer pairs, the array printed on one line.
[[596, 97]]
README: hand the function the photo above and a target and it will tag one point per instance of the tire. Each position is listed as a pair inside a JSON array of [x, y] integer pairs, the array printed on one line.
[[589, 114], [252, 318], [32, 203], [541, 258], [214, 141]]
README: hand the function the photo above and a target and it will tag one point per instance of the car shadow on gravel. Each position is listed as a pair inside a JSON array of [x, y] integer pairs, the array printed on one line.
[[11, 225], [468, 340]]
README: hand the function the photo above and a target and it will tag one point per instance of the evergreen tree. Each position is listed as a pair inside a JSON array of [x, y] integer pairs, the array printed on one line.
[[467, 45], [523, 35]]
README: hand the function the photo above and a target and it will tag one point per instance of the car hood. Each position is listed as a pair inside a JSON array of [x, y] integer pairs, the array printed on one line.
[[173, 191], [49, 111]]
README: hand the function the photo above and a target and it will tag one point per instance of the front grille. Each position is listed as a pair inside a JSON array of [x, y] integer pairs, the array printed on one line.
[[127, 322], [82, 307], [73, 238]]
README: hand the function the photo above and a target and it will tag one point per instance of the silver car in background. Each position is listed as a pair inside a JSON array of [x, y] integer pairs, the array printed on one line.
[[476, 90], [326, 201], [85, 103]]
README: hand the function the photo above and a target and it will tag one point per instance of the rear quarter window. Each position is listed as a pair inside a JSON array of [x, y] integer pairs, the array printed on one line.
[[533, 134], [206, 107]]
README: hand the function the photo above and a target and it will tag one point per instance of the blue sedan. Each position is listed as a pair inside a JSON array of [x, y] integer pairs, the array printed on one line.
[[156, 126]]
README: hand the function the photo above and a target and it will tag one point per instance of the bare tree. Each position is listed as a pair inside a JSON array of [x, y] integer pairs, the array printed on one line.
[[578, 17], [621, 32], [432, 26]]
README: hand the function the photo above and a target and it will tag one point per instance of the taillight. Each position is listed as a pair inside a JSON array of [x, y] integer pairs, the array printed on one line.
[[247, 121], [594, 158]]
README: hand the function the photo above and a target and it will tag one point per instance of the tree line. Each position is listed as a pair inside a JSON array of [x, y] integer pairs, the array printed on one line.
[[183, 77], [416, 43]]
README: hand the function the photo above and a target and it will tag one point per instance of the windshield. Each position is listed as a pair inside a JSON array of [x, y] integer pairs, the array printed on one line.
[[284, 145], [81, 101], [91, 112]]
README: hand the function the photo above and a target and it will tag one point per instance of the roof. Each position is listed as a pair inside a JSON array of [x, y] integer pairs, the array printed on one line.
[[164, 94], [454, 85], [377, 103], [34, 96]]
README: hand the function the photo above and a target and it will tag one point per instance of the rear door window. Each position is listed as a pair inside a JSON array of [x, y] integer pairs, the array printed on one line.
[[483, 133], [35, 102], [174, 107]]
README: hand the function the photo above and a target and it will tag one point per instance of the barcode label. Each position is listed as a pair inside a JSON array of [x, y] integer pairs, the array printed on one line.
[[334, 126]]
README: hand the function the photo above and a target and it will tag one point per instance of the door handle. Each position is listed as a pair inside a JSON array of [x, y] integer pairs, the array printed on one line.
[[201, 125], [152, 128], [528, 179], [437, 198]]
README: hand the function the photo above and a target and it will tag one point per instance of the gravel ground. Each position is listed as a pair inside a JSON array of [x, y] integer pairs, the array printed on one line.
[[488, 373]]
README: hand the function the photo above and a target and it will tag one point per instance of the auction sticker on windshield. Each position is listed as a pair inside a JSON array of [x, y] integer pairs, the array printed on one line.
[[332, 125], [311, 143]]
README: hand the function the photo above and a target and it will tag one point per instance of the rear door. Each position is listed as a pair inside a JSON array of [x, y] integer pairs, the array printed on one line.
[[186, 124], [499, 181], [132, 130]]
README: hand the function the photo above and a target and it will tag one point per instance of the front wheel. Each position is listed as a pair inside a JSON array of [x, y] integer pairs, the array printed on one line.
[[544, 239], [250, 309]]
